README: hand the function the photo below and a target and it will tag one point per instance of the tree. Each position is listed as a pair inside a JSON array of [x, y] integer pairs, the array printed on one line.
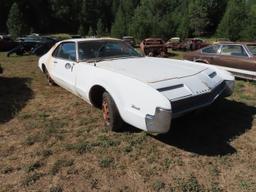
[[100, 28], [15, 23], [198, 17], [233, 20], [119, 26], [250, 30], [90, 32]]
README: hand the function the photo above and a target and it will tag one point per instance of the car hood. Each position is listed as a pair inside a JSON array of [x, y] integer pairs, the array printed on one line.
[[152, 70]]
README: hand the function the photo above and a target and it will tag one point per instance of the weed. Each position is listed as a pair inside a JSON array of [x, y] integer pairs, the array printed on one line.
[[30, 180], [158, 185], [7, 170], [80, 148], [94, 184], [191, 185], [56, 189], [59, 164], [33, 166], [45, 153], [214, 171], [167, 163], [32, 139], [216, 188], [128, 149], [106, 162], [104, 141]]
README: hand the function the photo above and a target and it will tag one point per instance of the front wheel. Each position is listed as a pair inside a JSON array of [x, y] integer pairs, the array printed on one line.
[[111, 116]]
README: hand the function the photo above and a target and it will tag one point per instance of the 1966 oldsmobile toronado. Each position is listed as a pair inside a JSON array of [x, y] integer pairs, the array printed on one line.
[[145, 92]]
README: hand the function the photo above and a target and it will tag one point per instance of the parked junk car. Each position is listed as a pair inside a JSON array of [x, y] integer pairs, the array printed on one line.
[[6, 43], [145, 92], [238, 58], [153, 47], [173, 43], [130, 40], [33, 44], [189, 44]]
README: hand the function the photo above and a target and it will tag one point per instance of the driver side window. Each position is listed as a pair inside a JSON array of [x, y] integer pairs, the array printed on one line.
[[66, 51]]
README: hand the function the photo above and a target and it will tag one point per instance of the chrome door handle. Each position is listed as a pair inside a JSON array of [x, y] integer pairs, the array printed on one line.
[[68, 66], [55, 62]]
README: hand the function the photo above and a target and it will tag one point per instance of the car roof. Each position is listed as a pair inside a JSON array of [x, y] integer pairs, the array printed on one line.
[[90, 39], [235, 43], [153, 39]]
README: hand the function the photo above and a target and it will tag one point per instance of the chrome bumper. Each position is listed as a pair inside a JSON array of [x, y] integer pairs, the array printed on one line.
[[160, 122]]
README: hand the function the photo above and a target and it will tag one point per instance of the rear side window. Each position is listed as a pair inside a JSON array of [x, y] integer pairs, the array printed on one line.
[[211, 50], [66, 51], [233, 50]]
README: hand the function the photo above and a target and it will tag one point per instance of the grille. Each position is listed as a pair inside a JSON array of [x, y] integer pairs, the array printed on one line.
[[192, 103]]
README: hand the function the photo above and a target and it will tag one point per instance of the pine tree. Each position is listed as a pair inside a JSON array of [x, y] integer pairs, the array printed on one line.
[[250, 30], [198, 17], [15, 22], [233, 20], [91, 32], [100, 28], [119, 26]]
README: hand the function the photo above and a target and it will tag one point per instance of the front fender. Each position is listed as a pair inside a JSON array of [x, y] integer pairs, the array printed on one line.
[[134, 99]]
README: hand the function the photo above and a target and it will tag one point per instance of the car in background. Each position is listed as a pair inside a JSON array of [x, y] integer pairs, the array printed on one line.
[[238, 58], [145, 92], [7, 43], [153, 47], [33, 44], [130, 40], [189, 44]]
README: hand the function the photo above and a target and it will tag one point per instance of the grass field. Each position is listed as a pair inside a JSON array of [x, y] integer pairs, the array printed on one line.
[[53, 141]]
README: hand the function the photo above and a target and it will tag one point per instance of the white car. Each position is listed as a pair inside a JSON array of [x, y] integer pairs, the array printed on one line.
[[144, 92]]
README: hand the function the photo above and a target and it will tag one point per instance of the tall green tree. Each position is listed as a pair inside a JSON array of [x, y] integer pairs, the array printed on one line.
[[233, 20], [198, 17], [119, 28], [250, 30], [100, 28], [15, 23]]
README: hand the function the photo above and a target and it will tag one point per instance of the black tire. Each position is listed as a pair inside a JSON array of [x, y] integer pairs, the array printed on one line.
[[114, 121], [49, 79]]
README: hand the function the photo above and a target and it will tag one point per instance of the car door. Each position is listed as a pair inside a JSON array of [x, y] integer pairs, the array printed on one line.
[[209, 53], [64, 65], [233, 56]]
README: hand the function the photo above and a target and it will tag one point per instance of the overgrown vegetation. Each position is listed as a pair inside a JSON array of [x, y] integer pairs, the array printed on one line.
[[234, 19], [51, 140]]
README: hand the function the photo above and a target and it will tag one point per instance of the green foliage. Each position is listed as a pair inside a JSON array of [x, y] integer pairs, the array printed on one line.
[[233, 21], [100, 28], [15, 23]]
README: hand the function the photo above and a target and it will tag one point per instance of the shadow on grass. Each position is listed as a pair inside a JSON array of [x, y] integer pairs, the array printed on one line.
[[210, 132], [14, 94]]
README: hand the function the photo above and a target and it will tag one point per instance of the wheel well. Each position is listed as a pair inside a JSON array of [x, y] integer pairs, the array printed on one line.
[[201, 61], [95, 95], [44, 68]]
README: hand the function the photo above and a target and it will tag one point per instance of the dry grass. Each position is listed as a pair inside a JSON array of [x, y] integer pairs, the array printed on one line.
[[51, 140]]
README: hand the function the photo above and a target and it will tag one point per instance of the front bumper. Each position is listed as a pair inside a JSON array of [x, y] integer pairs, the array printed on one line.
[[160, 122]]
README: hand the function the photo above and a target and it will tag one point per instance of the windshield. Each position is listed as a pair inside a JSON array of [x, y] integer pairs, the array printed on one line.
[[102, 49], [252, 49]]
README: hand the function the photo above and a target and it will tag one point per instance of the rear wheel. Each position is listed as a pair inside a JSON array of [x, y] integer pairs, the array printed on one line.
[[111, 116], [49, 79]]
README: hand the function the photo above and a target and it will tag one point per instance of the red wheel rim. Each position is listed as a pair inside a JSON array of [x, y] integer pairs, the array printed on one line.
[[105, 110]]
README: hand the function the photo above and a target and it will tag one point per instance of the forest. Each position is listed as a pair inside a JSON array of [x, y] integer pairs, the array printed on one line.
[[233, 19]]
